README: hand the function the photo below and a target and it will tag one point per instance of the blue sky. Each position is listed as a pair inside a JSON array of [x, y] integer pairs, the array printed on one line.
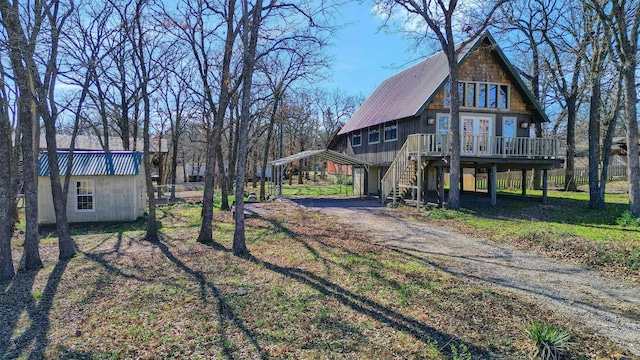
[[364, 56]]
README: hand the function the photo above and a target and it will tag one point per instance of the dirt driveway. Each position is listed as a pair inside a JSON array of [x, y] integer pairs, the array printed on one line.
[[584, 297]]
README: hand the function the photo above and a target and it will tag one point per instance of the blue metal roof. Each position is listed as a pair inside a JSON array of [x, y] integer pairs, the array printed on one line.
[[95, 163]]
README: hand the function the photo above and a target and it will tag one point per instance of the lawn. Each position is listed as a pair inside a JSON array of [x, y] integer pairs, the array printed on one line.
[[564, 228], [313, 290]]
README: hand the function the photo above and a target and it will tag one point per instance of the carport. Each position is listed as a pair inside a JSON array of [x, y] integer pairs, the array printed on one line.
[[277, 167]]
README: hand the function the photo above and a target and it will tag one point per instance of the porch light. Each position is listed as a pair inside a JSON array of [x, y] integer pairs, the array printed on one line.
[[524, 125], [431, 121]]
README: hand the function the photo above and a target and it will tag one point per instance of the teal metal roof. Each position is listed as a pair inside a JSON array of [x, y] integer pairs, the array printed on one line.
[[95, 163]]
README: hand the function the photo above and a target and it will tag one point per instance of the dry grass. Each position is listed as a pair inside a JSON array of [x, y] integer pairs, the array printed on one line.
[[313, 290]]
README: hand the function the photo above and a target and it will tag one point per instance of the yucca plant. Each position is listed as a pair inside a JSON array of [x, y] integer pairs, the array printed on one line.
[[548, 342]]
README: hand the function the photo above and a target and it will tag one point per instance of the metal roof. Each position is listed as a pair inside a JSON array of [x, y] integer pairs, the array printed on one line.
[[93, 143], [408, 92], [95, 163], [322, 153]]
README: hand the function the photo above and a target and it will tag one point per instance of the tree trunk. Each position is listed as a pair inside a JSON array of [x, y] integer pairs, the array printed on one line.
[[569, 180], [633, 161], [224, 177], [250, 41], [454, 131], [7, 188], [65, 243], [206, 227], [265, 155], [174, 161], [31, 254], [595, 200]]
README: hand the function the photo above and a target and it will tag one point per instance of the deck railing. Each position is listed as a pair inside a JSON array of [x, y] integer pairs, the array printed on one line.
[[418, 145], [484, 146]]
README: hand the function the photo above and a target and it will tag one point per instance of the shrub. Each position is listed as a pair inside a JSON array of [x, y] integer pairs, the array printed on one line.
[[628, 220], [548, 342]]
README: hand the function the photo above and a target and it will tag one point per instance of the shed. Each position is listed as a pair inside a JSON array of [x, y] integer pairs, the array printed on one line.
[[104, 186]]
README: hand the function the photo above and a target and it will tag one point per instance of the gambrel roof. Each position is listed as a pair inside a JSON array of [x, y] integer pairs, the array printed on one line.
[[408, 92], [94, 163]]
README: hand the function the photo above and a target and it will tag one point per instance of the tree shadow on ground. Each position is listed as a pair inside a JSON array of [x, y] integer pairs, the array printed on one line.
[[359, 303], [32, 342], [225, 311], [558, 210]]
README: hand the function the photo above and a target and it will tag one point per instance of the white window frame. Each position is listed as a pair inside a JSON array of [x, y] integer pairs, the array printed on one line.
[[391, 124], [369, 135], [463, 98], [93, 195], [439, 129], [509, 143], [359, 134]]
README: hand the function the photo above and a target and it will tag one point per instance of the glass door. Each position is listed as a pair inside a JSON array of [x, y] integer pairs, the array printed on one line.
[[475, 132]]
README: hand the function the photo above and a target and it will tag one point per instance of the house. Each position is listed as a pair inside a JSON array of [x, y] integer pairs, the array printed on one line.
[[104, 186], [402, 129]]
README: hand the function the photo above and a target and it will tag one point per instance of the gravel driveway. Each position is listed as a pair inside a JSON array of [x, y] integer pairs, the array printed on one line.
[[582, 296]]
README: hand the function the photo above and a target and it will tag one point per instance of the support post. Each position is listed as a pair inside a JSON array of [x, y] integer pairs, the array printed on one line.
[[440, 186], [475, 182], [524, 183], [419, 178], [493, 184], [545, 200]]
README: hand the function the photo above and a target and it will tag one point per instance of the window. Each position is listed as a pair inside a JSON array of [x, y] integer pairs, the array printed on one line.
[[447, 94], [443, 128], [504, 100], [391, 132], [470, 99], [374, 135], [509, 128], [84, 196], [480, 95], [493, 96], [356, 139]]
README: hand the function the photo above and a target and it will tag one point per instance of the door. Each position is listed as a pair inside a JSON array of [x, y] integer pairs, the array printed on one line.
[[476, 133]]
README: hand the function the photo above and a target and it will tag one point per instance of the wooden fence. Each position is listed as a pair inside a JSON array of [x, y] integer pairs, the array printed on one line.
[[513, 179]]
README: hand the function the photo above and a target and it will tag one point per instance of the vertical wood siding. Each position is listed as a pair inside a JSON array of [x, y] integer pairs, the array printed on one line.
[[116, 198]]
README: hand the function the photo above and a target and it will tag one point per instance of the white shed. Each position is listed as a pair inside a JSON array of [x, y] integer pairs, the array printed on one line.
[[105, 186]]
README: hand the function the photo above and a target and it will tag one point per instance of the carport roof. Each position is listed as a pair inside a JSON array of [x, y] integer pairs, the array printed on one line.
[[324, 154]]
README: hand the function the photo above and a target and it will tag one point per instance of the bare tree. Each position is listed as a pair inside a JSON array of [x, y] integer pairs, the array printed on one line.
[[7, 182], [177, 102], [203, 25], [41, 90], [282, 69], [440, 18], [621, 22], [567, 40]]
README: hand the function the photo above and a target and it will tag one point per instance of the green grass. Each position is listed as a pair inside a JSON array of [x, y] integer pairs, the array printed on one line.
[[601, 237], [315, 289]]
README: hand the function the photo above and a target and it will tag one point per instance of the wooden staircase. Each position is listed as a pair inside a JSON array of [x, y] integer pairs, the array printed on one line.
[[408, 181], [404, 172]]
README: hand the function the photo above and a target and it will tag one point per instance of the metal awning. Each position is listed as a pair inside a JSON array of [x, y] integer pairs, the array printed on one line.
[[325, 154]]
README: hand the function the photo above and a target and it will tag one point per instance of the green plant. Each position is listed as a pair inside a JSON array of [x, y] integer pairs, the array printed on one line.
[[393, 204], [548, 342], [461, 352], [628, 220], [633, 261]]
